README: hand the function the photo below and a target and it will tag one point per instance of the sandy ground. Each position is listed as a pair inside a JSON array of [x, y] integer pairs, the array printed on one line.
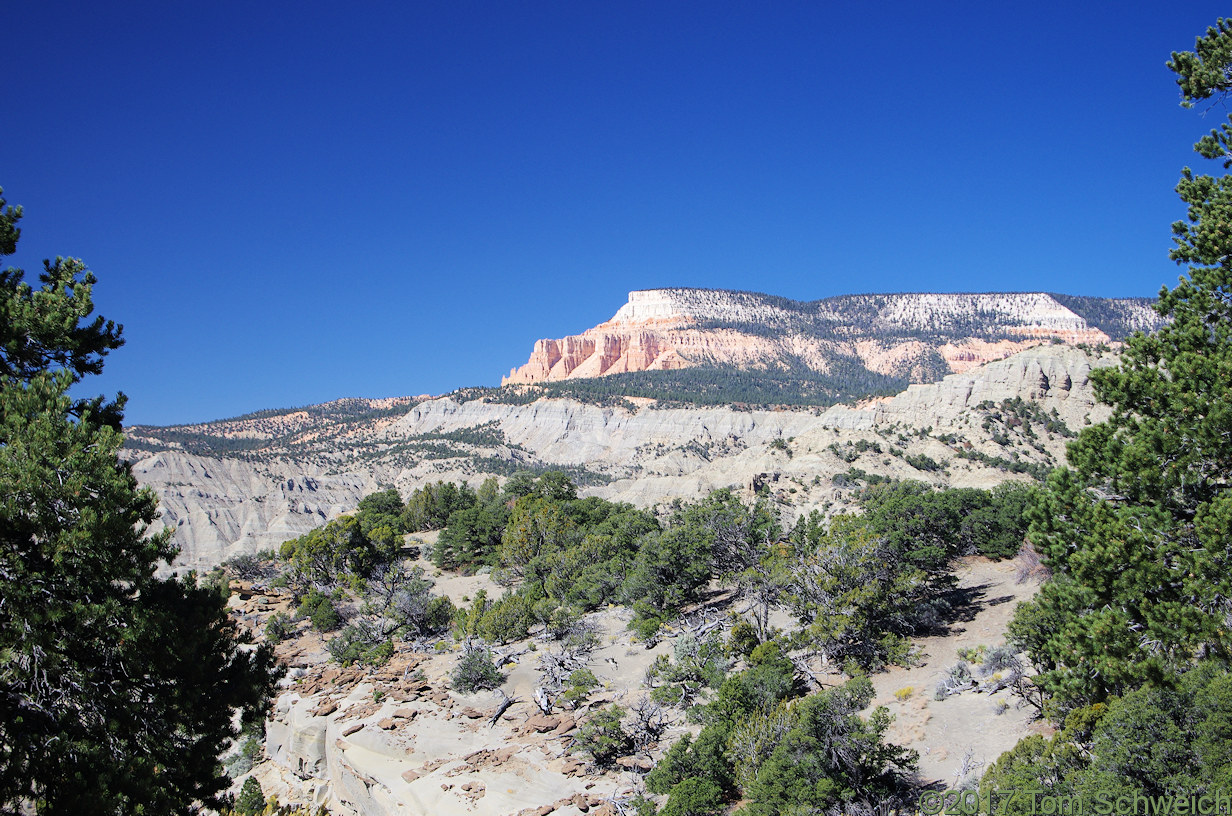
[[460, 589], [395, 745], [945, 731], [380, 741]]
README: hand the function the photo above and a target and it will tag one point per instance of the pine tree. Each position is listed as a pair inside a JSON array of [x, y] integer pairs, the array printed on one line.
[[117, 689], [1139, 533]]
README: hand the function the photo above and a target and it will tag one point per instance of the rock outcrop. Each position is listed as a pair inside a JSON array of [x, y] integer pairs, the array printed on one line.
[[668, 329], [395, 739]]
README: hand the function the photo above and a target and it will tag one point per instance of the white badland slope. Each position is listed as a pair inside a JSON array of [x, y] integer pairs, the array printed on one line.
[[222, 507]]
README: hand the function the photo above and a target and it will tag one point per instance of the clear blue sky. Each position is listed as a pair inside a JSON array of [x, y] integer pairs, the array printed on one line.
[[291, 202]]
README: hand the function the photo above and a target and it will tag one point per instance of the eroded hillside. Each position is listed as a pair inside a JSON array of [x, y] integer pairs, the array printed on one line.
[[1006, 419]]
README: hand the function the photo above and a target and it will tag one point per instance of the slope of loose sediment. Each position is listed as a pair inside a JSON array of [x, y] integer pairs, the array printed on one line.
[[220, 508], [970, 729]]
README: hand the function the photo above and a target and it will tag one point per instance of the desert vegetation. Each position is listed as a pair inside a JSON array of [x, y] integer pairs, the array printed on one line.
[[712, 575], [123, 692]]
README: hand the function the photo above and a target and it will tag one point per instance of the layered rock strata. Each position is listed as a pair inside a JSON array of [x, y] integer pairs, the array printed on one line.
[[666, 329]]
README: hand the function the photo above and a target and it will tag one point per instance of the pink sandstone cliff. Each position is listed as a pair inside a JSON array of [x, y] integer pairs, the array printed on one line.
[[659, 329]]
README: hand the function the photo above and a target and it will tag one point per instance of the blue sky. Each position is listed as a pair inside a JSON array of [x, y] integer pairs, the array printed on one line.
[[287, 203]]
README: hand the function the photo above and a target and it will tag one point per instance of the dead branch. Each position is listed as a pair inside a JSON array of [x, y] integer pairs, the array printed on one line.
[[501, 709]]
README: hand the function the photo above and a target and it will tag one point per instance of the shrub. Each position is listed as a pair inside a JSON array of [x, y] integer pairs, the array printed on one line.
[[411, 604], [769, 651], [896, 648], [319, 608], [675, 765], [972, 654], [770, 679], [668, 695], [603, 737], [558, 621], [1000, 659], [742, 640], [361, 643], [694, 797], [702, 660], [475, 671], [217, 580], [580, 684], [278, 627], [698, 664], [922, 462], [753, 739], [506, 620], [246, 567], [828, 756], [707, 758], [646, 627]]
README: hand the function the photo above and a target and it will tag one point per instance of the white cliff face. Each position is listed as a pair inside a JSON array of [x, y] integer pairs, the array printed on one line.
[[571, 433], [1055, 377], [220, 508], [650, 304]]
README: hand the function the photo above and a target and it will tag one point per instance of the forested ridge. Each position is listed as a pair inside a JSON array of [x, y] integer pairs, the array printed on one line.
[[838, 318], [705, 385]]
